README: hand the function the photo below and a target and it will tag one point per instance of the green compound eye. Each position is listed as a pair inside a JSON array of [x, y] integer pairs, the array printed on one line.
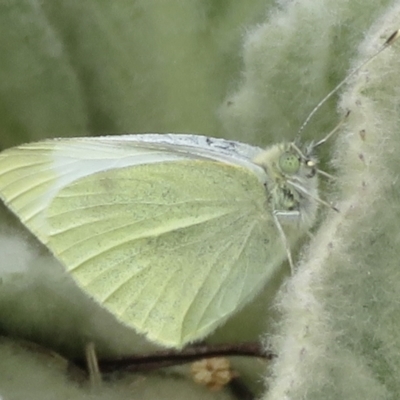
[[289, 163]]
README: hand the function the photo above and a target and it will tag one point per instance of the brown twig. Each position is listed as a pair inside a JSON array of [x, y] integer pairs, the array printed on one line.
[[168, 358]]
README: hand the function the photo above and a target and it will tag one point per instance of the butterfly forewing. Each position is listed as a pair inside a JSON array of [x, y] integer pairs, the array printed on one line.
[[31, 175]]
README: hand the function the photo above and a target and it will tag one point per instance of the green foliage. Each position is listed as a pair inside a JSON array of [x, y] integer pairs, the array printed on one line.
[[338, 338]]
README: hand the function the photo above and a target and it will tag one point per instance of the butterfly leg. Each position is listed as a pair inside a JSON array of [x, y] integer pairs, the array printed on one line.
[[289, 215], [93, 366]]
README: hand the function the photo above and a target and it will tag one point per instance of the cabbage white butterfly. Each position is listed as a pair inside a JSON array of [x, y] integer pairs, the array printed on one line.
[[170, 233]]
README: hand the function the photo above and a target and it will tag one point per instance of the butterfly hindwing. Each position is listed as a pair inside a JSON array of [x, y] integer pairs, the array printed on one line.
[[171, 249]]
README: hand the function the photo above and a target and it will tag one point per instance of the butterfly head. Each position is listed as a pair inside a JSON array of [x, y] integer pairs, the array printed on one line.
[[291, 180], [297, 162]]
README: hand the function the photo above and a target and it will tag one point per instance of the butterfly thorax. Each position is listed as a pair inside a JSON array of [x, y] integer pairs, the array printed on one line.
[[291, 182]]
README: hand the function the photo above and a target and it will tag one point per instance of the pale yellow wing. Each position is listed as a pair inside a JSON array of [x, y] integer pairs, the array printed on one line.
[[170, 249]]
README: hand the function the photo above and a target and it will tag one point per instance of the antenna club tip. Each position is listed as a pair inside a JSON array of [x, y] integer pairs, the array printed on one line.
[[394, 36]]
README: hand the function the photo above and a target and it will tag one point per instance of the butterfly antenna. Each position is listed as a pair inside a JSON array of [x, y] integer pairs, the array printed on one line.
[[332, 132], [387, 43], [311, 163], [323, 140]]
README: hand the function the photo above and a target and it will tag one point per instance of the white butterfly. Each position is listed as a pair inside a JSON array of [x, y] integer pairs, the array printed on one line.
[[170, 233]]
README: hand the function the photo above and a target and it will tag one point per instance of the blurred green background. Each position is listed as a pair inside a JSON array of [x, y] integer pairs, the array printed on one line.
[[84, 67]]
